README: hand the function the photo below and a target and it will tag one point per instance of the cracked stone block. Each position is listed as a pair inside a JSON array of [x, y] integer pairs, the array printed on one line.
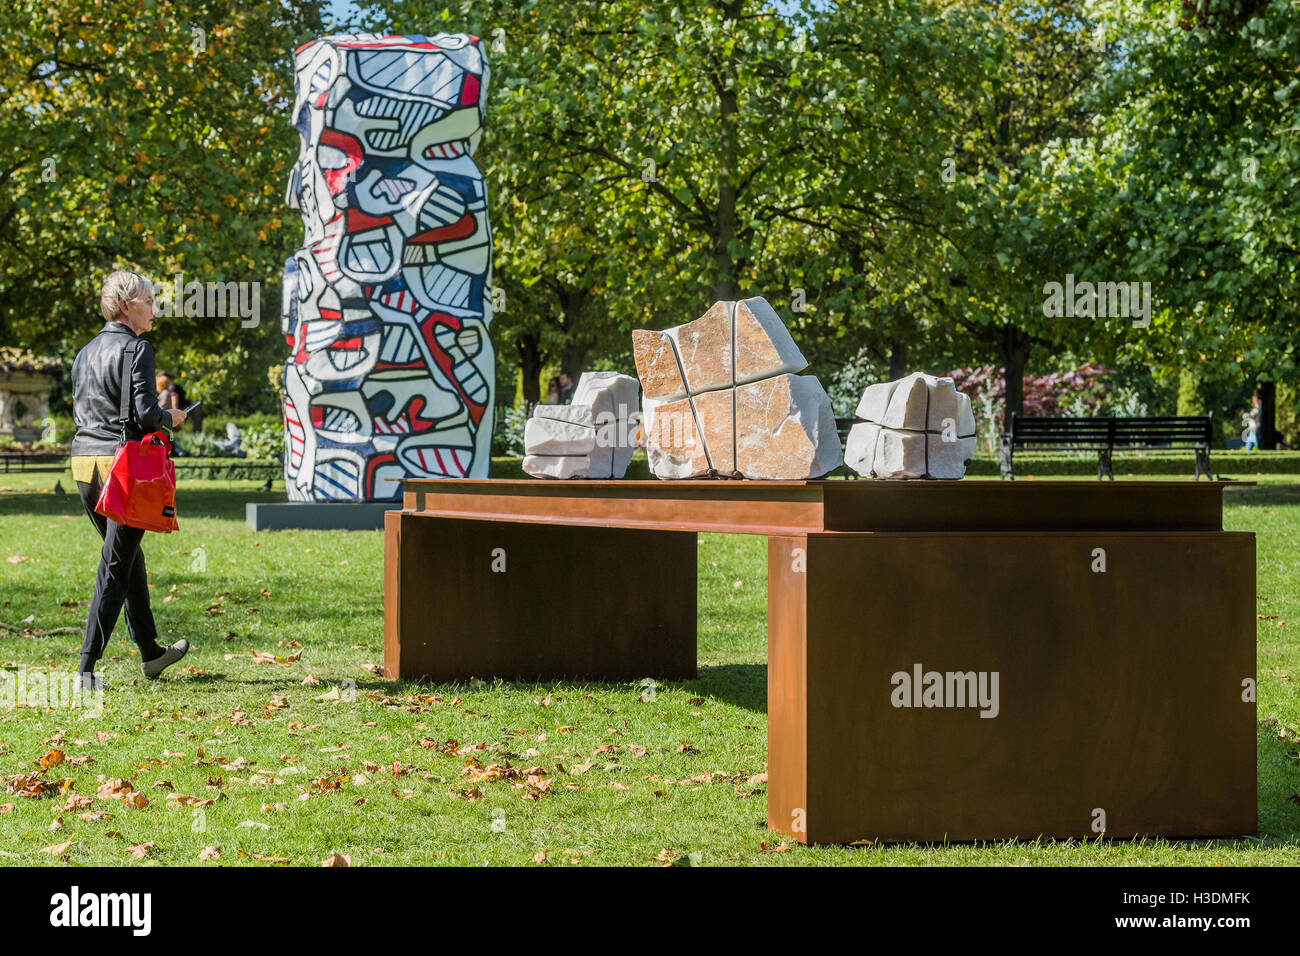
[[704, 349], [558, 466], [909, 404], [917, 427], [713, 411], [763, 343], [673, 444], [965, 417], [899, 454], [608, 394], [785, 429], [943, 406], [602, 462], [656, 365], [600, 428], [549, 436], [860, 448], [875, 401], [576, 414], [948, 458], [789, 432]]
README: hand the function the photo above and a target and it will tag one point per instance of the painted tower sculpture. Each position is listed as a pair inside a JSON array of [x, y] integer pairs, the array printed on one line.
[[387, 304]]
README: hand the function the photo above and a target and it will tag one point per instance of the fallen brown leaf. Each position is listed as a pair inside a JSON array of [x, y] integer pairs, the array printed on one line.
[[51, 759]]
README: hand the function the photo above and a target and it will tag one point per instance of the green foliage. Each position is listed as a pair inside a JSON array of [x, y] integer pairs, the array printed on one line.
[[900, 180], [850, 381], [227, 469], [148, 134], [263, 442], [509, 440]]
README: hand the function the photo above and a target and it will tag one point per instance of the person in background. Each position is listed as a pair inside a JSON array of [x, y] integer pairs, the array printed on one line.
[[1250, 437], [552, 392], [171, 395], [566, 388], [99, 375]]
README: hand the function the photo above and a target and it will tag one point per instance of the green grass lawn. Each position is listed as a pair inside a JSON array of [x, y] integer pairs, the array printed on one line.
[[320, 755]]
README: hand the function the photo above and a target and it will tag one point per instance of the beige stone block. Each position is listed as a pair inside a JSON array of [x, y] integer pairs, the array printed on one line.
[[704, 347], [548, 436], [965, 417], [763, 343], [785, 429], [656, 365], [574, 414], [899, 454], [608, 393], [714, 413], [944, 406], [673, 445]]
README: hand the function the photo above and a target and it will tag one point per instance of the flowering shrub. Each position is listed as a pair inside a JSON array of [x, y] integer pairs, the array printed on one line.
[[1076, 393]]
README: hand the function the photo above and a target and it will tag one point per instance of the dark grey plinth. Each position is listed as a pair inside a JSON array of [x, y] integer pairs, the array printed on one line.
[[319, 515]]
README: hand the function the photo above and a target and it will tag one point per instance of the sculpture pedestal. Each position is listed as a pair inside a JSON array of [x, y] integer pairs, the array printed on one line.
[[1107, 631], [316, 515], [1117, 704]]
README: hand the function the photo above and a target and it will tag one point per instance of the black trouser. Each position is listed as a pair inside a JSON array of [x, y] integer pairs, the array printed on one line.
[[121, 580]]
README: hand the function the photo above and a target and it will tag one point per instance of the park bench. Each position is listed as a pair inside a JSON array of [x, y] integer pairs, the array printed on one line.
[[1114, 625], [1105, 435], [33, 461]]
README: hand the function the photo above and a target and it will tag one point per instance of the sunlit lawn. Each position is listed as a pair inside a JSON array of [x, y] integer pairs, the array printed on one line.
[[321, 755]]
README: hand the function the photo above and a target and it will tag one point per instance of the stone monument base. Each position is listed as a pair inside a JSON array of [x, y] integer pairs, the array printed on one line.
[[318, 515]]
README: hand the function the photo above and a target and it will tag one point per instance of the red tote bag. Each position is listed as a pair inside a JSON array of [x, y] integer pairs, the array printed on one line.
[[141, 488], [140, 491]]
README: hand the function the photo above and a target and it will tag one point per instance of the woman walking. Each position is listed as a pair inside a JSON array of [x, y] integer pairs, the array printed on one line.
[[117, 358]]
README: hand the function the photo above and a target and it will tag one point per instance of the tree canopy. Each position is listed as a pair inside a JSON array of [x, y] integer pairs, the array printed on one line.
[[905, 181]]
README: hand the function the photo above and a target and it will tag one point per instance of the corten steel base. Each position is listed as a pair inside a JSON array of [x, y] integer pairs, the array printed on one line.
[[492, 599], [1119, 696]]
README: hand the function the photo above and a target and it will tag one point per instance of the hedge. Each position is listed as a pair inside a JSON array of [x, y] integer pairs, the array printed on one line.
[[1232, 463], [228, 469]]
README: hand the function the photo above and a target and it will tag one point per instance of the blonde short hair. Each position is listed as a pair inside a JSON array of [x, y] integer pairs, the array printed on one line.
[[119, 288]]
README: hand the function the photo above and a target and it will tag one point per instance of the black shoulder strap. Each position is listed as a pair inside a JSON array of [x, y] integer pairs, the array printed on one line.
[[127, 386]]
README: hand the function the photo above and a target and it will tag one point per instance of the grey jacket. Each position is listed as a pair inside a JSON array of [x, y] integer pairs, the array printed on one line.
[[96, 393]]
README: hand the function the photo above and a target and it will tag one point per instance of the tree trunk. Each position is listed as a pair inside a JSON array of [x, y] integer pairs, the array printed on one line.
[[575, 307], [1267, 416], [530, 366], [725, 284], [897, 360], [572, 359], [1014, 349]]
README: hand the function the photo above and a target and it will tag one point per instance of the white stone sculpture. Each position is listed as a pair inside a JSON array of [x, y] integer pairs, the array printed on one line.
[[917, 427], [593, 437]]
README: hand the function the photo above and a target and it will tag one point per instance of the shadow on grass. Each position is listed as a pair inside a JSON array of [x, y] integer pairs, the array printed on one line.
[[1279, 785], [198, 503], [744, 685], [1263, 496]]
